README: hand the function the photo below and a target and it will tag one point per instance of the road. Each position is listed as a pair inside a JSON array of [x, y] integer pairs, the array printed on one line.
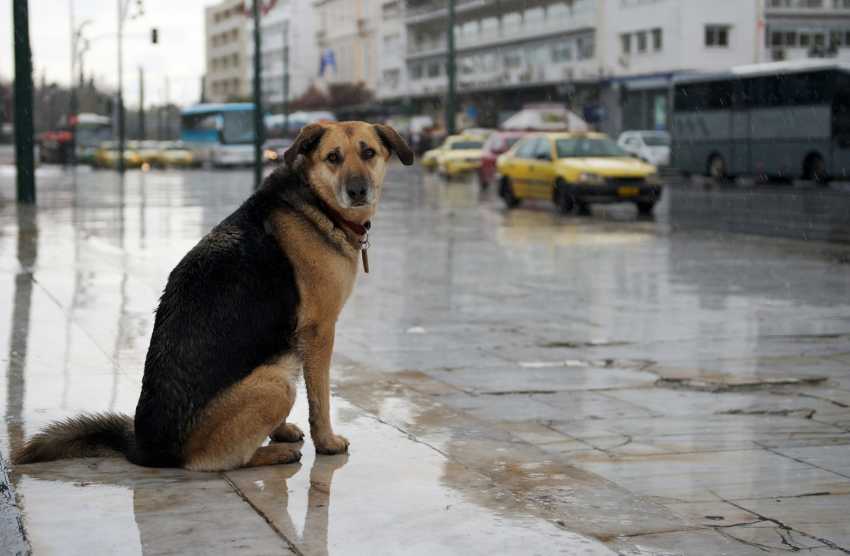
[[511, 381]]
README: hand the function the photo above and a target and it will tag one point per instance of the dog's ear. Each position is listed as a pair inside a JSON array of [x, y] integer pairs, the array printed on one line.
[[307, 140], [393, 141]]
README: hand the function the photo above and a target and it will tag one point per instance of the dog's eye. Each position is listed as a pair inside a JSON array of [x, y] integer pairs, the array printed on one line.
[[333, 158], [368, 153]]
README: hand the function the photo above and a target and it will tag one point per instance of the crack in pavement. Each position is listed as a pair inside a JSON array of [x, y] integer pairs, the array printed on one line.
[[779, 524]]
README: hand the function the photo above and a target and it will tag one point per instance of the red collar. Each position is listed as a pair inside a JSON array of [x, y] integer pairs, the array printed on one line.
[[360, 230], [341, 222]]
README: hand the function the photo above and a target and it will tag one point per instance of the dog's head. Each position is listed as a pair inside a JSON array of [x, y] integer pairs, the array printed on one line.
[[345, 163]]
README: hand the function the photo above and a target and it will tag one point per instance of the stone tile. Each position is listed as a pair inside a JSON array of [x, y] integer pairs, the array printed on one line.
[[832, 458], [700, 477], [109, 506], [400, 496], [739, 541], [822, 516]]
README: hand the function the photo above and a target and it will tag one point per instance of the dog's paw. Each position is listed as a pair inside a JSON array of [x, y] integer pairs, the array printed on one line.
[[331, 444], [287, 432]]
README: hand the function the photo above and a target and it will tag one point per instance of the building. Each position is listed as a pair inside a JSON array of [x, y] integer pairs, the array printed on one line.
[[648, 42], [347, 38], [226, 40], [391, 62], [798, 29], [611, 61], [508, 53], [289, 52]]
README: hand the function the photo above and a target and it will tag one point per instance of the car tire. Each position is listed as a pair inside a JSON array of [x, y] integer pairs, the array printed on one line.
[[506, 191], [562, 198], [645, 208], [583, 208], [814, 169], [716, 168]]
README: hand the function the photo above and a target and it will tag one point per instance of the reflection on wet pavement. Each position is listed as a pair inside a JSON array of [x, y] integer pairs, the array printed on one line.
[[512, 382]]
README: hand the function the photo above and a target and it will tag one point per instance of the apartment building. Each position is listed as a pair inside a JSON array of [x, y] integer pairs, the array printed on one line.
[[609, 60], [289, 51], [798, 29], [347, 39], [514, 51], [226, 78], [392, 31]]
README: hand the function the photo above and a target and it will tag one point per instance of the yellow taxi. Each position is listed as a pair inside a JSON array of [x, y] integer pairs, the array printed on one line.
[[107, 156], [430, 159], [575, 170], [463, 155], [174, 154]]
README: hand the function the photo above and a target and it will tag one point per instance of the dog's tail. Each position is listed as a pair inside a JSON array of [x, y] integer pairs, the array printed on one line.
[[86, 435]]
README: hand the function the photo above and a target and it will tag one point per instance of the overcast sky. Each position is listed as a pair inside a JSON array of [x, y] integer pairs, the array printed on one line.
[[178, 56]]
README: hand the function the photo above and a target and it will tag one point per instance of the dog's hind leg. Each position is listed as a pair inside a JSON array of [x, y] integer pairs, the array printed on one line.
[[288, 432], [230, 431]]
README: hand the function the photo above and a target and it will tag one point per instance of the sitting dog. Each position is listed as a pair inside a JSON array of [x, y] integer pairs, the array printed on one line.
[[254, 302]]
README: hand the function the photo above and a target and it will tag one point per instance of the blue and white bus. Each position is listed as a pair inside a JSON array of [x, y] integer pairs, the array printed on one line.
[[219, 134]]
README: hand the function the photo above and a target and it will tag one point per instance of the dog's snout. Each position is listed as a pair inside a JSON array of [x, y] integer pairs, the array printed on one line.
[[358, 190]]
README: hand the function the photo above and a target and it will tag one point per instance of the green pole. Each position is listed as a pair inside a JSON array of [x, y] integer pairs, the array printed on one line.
[[450, 70], [24, 142], [259, 126]]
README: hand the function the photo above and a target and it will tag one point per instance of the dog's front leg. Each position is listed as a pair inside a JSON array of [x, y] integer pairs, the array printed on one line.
[[318, 345]]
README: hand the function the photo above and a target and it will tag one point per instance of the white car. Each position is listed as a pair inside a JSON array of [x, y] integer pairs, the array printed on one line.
[[649, 146]]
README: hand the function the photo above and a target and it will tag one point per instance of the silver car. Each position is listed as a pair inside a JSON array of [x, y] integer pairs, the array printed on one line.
[[649, 146]]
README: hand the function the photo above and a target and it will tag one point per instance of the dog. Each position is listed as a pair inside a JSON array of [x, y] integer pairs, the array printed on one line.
[[252, 304]]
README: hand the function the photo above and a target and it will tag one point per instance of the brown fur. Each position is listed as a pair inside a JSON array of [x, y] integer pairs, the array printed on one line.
[[236, 423]]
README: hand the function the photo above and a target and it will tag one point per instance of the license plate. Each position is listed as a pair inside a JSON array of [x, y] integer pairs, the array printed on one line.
[[628, 191]]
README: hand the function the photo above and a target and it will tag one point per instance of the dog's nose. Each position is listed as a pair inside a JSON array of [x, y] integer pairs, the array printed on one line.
[[358, 190]]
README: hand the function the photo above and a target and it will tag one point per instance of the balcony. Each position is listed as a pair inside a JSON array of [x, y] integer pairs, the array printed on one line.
[[494, 37], [808, 8], [436, 9]]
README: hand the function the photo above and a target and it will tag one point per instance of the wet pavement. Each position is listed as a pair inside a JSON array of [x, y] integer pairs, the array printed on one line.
[[512, 382]]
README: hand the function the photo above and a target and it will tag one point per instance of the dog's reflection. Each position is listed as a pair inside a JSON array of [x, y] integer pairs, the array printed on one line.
[[176, 511]]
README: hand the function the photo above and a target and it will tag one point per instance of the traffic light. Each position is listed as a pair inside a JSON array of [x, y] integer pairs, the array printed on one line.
[[154, 35]]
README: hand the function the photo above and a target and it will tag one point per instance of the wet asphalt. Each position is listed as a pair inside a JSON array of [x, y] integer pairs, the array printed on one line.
[[512, 381]]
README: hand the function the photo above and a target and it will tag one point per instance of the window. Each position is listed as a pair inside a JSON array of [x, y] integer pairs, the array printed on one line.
[[657, 40], [641, 41], [626, 42], [513, 60], [562, 52], [526, 148], [584, 46], [434, 69], [543, 149], [717, 36], [416, 71]]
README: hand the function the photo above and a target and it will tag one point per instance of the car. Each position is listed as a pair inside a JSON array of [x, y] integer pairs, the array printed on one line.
[[273, 150], [174, 154], [149, 151], [429, 159], [498, 143], [575, 170], [460, 156], [107, 156], [649, 146]]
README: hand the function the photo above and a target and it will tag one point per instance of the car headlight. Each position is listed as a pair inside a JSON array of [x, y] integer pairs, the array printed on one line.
[[591, 179]]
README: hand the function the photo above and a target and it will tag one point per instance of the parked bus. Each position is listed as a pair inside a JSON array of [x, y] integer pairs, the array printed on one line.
[[219, 134], [783, 119]]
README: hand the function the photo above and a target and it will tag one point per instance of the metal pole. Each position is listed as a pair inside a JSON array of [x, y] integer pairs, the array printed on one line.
[[72, 110], [258, 99], [120, 99], [285, 107], [450, 70], [24, 143], [141, 103]]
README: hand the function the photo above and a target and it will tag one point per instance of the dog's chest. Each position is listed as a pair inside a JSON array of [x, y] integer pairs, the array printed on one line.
[[324, 273]]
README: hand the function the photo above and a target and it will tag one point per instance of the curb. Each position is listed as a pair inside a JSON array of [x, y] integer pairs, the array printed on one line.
[[13, 536]]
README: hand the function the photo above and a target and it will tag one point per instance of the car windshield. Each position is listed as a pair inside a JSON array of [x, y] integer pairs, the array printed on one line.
[[466, 145], [657, 140], [587, 147]]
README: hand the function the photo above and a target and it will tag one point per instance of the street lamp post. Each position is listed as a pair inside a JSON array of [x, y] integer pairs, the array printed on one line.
[[123, 8], [258, 99], [285, 106], [450, 70], [24, 144]]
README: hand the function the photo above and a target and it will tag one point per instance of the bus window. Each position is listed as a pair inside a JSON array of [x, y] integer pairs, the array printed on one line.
[[841, 112]]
